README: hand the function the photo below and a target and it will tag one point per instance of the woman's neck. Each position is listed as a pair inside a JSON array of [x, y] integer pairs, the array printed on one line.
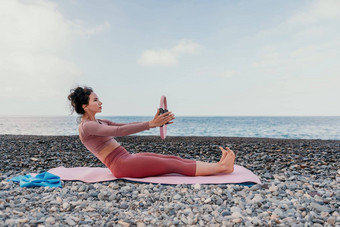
[[88, 117]]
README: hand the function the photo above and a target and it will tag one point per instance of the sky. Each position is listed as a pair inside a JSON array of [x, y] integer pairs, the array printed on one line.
[[209, 58]]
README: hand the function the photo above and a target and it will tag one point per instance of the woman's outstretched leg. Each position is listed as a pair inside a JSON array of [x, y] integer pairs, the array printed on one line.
[[225, 165], [147, 165], [168, 157], [150, 164]]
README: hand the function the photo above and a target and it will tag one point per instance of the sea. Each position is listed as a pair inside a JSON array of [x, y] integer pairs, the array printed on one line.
[[324, 128]]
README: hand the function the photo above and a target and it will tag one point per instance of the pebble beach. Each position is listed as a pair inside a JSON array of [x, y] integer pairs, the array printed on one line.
[[300, 185]]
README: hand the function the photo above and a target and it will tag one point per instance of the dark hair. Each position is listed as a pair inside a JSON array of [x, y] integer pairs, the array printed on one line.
[[78, 97]]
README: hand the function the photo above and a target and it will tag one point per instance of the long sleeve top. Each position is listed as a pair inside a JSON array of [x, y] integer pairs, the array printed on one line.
[[95, 135]]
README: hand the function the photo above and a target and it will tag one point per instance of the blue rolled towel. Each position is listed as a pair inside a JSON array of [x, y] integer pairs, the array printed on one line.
[[41, 180]]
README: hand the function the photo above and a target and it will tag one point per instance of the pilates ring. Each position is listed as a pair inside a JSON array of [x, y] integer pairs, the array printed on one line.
[[163, 108]]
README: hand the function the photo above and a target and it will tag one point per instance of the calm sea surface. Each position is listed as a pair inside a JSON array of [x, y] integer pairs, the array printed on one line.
[[269, 127]]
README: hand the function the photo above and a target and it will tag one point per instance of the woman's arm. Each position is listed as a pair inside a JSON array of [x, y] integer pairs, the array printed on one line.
[[117, 124], [121, 129], [108, 122], [94, 128]]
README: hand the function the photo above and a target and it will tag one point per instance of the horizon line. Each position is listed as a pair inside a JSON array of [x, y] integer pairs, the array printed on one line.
[[176, 116]]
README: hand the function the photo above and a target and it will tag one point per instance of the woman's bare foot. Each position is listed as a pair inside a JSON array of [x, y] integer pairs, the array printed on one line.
[[225, 165], [227, 160]]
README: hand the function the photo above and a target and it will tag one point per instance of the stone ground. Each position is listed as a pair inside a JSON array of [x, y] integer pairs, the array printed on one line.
[[300, 185]]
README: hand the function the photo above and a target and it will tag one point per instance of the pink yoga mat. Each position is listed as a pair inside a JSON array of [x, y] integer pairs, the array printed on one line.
[[98, 174]]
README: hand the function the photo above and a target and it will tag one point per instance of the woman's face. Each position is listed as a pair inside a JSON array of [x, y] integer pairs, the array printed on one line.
[[94, 106]]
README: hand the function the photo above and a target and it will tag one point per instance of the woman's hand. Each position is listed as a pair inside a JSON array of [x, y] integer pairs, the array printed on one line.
[[160, 120]]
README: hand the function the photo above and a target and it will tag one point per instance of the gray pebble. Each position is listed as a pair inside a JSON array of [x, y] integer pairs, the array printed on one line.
[[70, 222], [124, 205], [177, 197], [10, 222], [235, 209], [226, 213], [101, 196], [50, 220], [319, 207]]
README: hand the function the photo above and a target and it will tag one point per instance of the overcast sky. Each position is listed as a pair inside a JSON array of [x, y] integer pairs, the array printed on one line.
[[210, 58]]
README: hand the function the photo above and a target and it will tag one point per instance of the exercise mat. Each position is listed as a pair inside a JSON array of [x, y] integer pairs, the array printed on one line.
[[98, 174]]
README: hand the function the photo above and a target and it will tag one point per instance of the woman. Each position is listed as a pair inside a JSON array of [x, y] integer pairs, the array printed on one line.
[[98, 137]]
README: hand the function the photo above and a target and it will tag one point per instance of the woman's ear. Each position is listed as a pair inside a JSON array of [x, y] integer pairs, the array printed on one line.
[[84, 106]]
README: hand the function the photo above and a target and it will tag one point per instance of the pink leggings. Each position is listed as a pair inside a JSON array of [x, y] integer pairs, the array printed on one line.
[[123, 164]]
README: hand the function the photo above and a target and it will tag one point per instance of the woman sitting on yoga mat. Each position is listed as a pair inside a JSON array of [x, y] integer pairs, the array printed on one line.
[[98, 137]]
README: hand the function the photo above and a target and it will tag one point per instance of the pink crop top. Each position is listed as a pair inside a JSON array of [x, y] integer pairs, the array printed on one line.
[[95, 135]]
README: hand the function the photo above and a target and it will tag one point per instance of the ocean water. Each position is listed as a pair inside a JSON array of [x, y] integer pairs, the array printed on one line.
[[325, 128]]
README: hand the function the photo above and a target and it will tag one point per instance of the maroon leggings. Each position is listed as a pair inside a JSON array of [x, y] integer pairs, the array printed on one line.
[[123, 164]]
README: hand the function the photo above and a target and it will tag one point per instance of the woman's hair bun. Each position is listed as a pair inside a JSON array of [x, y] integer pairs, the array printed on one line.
[[78, 97]]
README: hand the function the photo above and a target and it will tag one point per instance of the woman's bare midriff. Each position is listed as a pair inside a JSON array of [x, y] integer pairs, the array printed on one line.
[[106, 151]]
